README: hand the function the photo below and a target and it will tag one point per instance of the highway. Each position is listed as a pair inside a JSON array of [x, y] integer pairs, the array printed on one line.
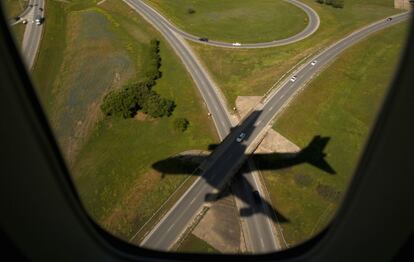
[[209, 91], [32, 33], [216, 106], [258, 229], [313, 25], [230, 155], [28, 8]]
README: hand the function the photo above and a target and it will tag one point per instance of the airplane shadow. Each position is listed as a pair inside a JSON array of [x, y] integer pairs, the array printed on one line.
[[312, 154], [242, 188]]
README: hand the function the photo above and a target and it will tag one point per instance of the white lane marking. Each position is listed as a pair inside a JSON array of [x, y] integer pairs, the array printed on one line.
[[168, 230], [261, 241]]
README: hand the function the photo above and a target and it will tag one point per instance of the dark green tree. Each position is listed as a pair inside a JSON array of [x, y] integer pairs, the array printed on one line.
[[181, 124]]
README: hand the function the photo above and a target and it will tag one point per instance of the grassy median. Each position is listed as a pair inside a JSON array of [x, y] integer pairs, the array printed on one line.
[[341, 104], [87, 50], [254, 71], [246, 21], [193, 244]]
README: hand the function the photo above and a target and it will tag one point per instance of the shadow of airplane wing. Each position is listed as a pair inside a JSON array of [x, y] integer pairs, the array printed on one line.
[[244, 191]]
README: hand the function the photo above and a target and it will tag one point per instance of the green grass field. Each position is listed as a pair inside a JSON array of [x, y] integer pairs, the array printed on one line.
[[246, 21], [13, 8], [254, 71], [193, 244], [86, 51], [344, 101]]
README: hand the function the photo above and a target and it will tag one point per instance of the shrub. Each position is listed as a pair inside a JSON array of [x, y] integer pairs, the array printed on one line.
[[181, 124], [302, 180], [153, 67], [334, 3], [328, 193], [156, 106], [119, 103], [338, 3]]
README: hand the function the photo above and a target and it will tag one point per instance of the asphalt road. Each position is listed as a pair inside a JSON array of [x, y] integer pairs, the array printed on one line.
[[211, 95], [28, 8], [219, 112], [230, 155], [258, 230], [33, 33], [313, 25]]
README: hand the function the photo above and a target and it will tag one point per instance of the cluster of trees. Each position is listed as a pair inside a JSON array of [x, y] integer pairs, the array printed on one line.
[[154, 63], [334, 3], [132, 97]]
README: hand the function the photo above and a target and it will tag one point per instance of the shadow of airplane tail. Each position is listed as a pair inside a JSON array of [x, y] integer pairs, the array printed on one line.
[[314, 154]]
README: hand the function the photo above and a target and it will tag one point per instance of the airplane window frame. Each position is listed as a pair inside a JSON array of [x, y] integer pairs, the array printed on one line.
[[42, 183]]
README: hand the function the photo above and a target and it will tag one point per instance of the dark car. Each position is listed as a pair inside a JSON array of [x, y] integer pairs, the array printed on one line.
[[204, 39], [389, 18], [256, 196]]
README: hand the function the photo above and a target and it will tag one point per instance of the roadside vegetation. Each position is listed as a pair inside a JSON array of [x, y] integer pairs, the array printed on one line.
[[91, 50], [13, 8], [345, 101], [252, 72], [246, 21], [333, 3], [132, 97]]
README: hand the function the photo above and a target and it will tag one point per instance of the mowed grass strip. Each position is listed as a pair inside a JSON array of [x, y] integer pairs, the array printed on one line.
[[246, 21], [341, 104], [88, 50], [249, 72]]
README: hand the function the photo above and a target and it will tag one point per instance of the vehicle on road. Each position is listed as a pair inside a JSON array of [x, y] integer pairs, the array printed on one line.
[[236, 44], [293, 79], [24, 21], [314, 62], [39, 20], [389, 19], [256, 196], [204, 39], [241, 137]]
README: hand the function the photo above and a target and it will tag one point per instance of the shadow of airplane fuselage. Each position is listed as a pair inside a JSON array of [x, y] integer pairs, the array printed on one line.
[[312, 154]]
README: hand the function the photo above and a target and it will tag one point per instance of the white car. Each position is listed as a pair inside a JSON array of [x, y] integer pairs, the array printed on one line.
[[236, 44], [39, 20], [24, 21], [240, 138], [314, 62], [293, 79]]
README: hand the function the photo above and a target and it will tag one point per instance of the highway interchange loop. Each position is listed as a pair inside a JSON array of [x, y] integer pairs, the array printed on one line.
[[313, 25]]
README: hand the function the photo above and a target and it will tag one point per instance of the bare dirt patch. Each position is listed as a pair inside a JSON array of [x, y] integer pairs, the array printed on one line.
[[275, 142], [245, 103], [220, 227]]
